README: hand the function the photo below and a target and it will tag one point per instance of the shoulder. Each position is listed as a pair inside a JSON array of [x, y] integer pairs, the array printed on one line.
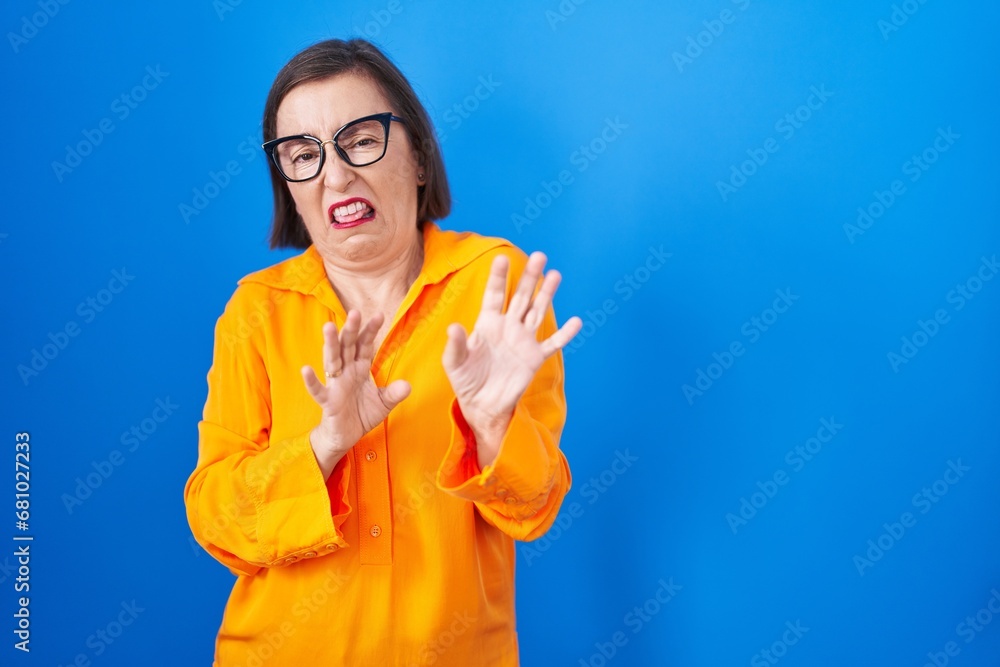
[[258, 293], [452, 251], [299, 273]]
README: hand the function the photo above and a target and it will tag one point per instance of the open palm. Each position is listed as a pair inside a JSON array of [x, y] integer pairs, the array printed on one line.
[[351, 402], [491, 368]]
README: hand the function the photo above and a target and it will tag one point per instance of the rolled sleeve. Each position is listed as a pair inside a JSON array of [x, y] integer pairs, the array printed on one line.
[[266, 508], [519, 479], [521, 491], [254, 502], [298, 515]]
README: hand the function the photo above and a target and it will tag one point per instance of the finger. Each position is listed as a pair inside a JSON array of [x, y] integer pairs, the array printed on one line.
[[313, 385], [542, 300], [331, 350], [456, 349], [496, 285], [366, 339], [349, 336], [521, 300], [561, 338], [393, 394]]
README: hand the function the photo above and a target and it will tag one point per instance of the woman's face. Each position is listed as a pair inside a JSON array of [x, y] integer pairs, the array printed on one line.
[[362, 239]]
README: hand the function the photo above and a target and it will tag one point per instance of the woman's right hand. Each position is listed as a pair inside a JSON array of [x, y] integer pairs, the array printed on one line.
[[352, 404]]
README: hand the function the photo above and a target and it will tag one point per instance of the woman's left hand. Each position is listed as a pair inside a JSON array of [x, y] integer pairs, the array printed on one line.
[[491, 368]]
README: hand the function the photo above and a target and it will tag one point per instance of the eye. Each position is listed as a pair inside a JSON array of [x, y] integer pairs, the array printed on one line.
[[362, 137], [303, 157], [298, 153], [359, 141]]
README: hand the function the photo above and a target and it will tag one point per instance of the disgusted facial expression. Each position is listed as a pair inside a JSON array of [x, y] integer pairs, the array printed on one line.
[[357, 217]]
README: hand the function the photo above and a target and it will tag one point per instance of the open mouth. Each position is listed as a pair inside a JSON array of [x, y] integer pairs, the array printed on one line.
[[351, 212]]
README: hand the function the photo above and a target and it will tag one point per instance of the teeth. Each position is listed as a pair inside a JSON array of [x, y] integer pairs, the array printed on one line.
[[350, 209], [351, 212]]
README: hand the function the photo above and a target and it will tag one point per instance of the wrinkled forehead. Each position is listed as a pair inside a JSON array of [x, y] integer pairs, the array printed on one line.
[[322, 107]]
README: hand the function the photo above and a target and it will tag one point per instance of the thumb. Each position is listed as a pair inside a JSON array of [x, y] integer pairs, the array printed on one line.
[[393, 394], [456, 350]]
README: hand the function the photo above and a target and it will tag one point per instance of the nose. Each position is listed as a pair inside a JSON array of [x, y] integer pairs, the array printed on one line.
[[336, 174]]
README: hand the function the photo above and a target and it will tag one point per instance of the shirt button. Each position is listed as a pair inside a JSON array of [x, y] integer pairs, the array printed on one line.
[[375, 531], [331, 547], [371, 455], [310, 554], [501, 493], [510, 500]]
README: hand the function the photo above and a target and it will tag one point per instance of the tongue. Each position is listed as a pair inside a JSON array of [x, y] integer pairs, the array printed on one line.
[[351, 217]]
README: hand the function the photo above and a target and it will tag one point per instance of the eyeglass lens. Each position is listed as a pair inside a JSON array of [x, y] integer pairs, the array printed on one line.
[[360, 143]]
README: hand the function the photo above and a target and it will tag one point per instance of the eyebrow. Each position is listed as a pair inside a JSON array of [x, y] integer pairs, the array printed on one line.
[[299, 134], [339, 127]]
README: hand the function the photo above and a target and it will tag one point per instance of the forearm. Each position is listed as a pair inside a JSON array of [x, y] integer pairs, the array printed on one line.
[[488, 434], [264, 508], [326, 453], [520, 491]]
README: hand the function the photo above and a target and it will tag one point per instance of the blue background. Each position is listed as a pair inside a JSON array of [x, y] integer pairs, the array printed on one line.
[[684, 126]]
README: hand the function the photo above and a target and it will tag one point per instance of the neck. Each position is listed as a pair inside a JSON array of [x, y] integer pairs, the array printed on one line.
[[378, 288]]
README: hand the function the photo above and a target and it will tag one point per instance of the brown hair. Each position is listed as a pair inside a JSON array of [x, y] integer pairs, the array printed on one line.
[[357, 56]]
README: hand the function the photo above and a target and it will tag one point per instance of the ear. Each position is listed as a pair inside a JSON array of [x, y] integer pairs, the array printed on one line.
[[421, 171]]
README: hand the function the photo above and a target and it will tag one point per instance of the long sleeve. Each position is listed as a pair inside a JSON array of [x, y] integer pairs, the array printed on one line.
[[254, 503], [407, 541], [521, 491]]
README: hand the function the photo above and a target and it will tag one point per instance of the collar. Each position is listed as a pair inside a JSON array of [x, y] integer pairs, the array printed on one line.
[[445, 252]]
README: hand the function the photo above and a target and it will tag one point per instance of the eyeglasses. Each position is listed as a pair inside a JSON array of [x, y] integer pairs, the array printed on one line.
[[359, 143]]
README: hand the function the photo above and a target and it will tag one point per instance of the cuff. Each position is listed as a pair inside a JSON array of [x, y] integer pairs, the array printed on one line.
[[520, 477], [299, 514]]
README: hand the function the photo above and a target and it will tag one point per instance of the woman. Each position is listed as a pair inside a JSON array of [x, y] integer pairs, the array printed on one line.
[[371, 518]]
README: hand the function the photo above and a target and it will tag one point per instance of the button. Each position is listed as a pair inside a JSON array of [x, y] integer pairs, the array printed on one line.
[[510, 500], [310, 554], [501, 493], [375, 531], [290, 559], [331, 547], [371, 455]]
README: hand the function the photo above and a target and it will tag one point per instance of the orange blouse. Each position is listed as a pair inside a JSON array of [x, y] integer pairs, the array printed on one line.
[[405, 555]]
